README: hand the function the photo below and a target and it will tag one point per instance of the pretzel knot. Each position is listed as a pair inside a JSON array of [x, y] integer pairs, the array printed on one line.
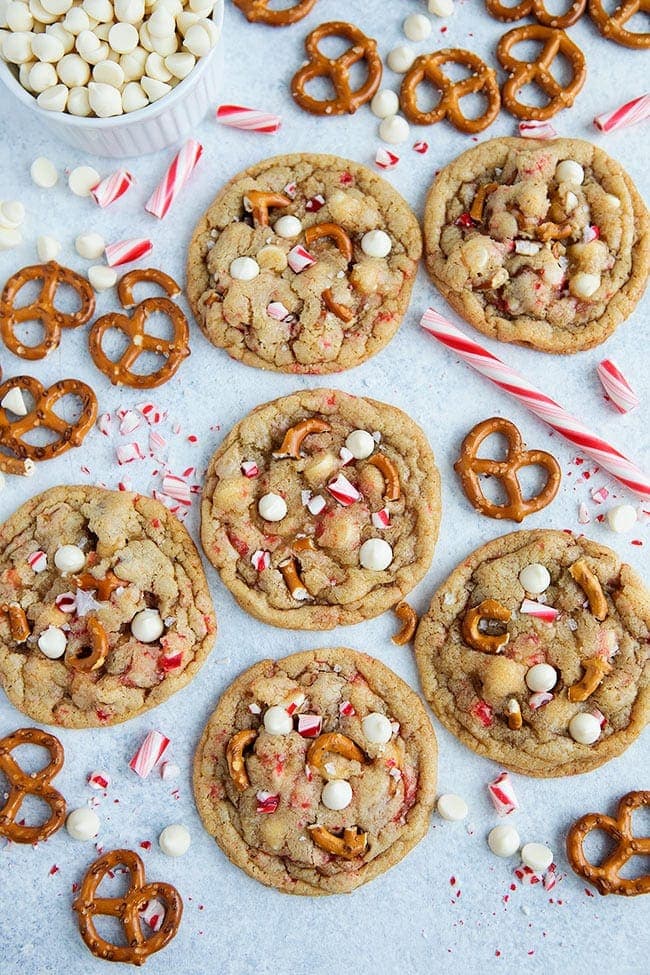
[[22, 784], [173, 350], [42, 414], [470, 467], [607, 876], [428, 67], [538, 9], [522, 73], [42, 309], [611, 25], [126, 908], [346, 98], [258, 12]]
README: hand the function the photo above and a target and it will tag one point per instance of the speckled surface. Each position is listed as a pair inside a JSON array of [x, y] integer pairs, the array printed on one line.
[[444, 908]]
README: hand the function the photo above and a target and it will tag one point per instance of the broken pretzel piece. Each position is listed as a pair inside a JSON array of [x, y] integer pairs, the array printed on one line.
[[18, 623], [102, 587], [337, 744], [349, 846], [478, 203], [335, 233], [261, 202], [489, 609], [342, 312], [290, 574], [515, 720], [588, 581], [595, 669], [389, 472], [409, 620], [293, 438], [235, 757], [90, 657]]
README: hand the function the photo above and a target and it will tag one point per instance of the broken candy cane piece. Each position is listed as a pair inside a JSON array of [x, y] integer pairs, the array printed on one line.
[[539, 699], [539, 610], [261, 560], [249, 468], [248, 119], [309, 725], [299, 259], [149, 754], [385, 159], [111, 188], [503, 795], [381, 519], [99, 780], [37, 561], [536, 129], [621, 395], [344, 492], [267, 802]]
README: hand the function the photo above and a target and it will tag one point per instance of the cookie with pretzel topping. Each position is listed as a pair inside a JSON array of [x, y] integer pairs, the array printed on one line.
[[543, 243], [321, 509], [303, 264], [316, 772], [105, 611], [534, 653]]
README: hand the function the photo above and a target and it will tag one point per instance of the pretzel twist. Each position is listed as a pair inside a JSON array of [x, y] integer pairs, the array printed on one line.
[[538, 9], [43, 309], [126, 908], [91, 657], [346, 100], [479, 640], [428, 67], [259, 12], [39, 784], [42, 414], [349, 846], [522, 73], [612, 27], [470, 467], [606, 877]]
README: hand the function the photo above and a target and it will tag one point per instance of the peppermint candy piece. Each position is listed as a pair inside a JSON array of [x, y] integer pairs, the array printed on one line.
[[66, 602], [99, 780], [344, 492], [621, 395], [535, 129], [381, 518], [249, 468], [385, 159], [502, 794], [111, 188], [248, 119], [309, 725], [267, 802], [421, 147], [37, 561], [126, 251], [540, 611], [149, 754], [315, 204], [299, 259], [261, 560]]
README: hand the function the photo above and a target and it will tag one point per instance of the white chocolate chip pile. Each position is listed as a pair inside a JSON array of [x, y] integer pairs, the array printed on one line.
[[104, 58]]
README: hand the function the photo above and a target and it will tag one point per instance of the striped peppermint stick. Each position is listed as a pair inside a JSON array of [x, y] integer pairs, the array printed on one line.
[[112, 188], [179, 171], [249, 119], [617, 387], [149, 754], [537, 402], [638, 110], [125, 251], [536, 129]]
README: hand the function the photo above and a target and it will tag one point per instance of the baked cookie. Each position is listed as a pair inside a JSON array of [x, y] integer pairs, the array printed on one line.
[[321, 509], [317, 772], [303, 264], [544, 243], [534, 653], [105, 610]]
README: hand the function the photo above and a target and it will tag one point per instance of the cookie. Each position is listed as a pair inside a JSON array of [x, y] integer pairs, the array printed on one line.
[[303, 264], [546, 244], [321, 509], [534, 653], [317, 772], [105, 611]]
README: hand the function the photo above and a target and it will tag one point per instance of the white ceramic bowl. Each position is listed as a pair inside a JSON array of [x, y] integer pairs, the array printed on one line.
[[158, 125]]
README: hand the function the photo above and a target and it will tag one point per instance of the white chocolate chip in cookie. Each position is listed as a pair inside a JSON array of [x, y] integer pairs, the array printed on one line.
[[278, 721], [147, 626], [69, 558], [541, 678], [584, 728], [376, 243], [569, 171], [535, 578], [272, 258], [288, 227], [336, 794], [244, 269], [272, 507], [375, 554], [584, 285], [52, 643], [360, 443], [376, 728]]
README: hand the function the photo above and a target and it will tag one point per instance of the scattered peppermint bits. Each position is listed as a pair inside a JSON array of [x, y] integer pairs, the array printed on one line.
[[377, 728], [260, 560], [299, 259], [503, 841], [502, 794], [277, 721], [83, 824], [452, 807], [126, 251], [174, 841], [37, 561], [385, 159], [99, 780], [309, 725], [539, 610], [149, 754], [343, 491]]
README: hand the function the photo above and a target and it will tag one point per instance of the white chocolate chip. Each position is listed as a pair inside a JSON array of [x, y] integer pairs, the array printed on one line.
[[13, 401], [360, 443], [90, 47], [133, 64], [134, 97], [47, 247], [376, 728], [272, 507], [76, 20], [385, 103], [584, 728], [336, 794], [109, 73], [9, 237], [69, 558], [613, 201], [147, 626], [73, 70], [90, 246], [101, 10], [52, 643], [47, 48], [155, 68], [82, 180], [154, 89], [288, 227], [376, 243], [78, 102], [244, 269], [53, 99], [401, 58], [102, 277], [375, 554], [18, 17], [17, 48], [417, 27], [175, 840], [161, 23], [83, 824], [441, 8], [503, 841], [452, 807], [277, 721], [394, 129], [129, 11], [105, 100], [541, 678], [569, 171], [535, 578], [621, 518], [12, 214], [123, 38], [536, 856], [56, 7], [201, 38], [180, 64], [584, 285], [42, 76]]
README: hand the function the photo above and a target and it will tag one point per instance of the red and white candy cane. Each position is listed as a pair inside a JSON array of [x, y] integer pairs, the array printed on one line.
[[385, 159], [617, 387], [507, 379], [502, 794], [344, 492], [536, 129], [179, 171], [249, 119], [125, 251], [149, 754], [638, 110], [299, 259], [112, 188]]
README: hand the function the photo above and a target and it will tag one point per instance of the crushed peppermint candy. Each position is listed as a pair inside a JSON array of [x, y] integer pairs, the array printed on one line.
[[267, 802], [261, 560], [291, 189], [385, 159], [66, 602], [128, 452], [153, 914], [540, 611], [344, 492], [279, 312], [539, 699], [130, 422], [177, 488], [583, 514], [37, 561], [149, 754], [316, 504], [309, 725], [381, 518], [152, 414], [315, 204], [249, 468], [421, 147], [592, 232], [99, 780], [621, 395], [254, 708], [502, 794], [599, 494], [346, 456], [299, 259], [526, 875], [105, 423], [346, 709], [169, 770]]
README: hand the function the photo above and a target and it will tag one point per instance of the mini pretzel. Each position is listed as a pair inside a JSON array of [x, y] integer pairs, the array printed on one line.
[[93, 656], [342, 312], [337, 744], [522, 73], [349, 846], [409, 620], [428, 67], [261, 202], [258, 12], [607, 876], [346, 99], [515, 720], [489, 609], [18, 623], [538, 9], [289, 569], [387, 469], [470, 467], [293, 438], [588, 581], [235, 757], [120, 373], [595, 669], [303, 544], [126, 908], [103, 587], [478, 203], [42, 414], [37, 784], [553, 231], [611, 25], [336, 233], [43, 309]]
